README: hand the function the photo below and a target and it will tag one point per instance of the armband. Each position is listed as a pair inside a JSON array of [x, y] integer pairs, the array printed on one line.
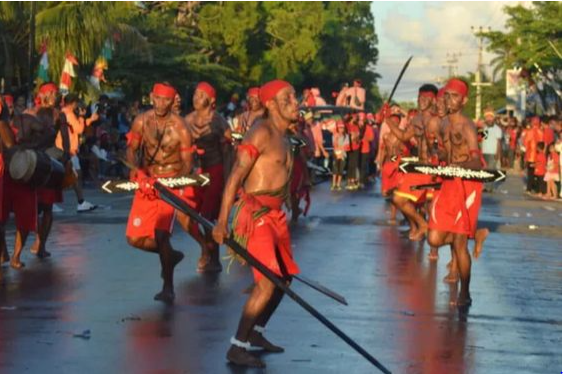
[[252, 151], [131, 136]]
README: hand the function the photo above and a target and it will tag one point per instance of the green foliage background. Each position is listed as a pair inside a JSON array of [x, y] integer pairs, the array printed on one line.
[[233, 45]]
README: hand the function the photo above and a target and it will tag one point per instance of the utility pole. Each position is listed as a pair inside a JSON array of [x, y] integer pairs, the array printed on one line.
[[452, 60], [477, 83]]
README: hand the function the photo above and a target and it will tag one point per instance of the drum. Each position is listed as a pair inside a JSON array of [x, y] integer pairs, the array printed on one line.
[[36, 169]]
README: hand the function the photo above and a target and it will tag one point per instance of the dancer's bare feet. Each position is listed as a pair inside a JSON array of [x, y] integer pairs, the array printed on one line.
[[419, 234], [462, 301], [433, 255], [451, 277], [258, 341], [17, 264], [240, 356], [480, 236]]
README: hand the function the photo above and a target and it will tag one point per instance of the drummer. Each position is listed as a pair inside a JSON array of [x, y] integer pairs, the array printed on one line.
[[47, 114], [21, 198]]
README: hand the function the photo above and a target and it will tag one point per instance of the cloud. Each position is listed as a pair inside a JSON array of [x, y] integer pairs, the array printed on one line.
[[429, 31]]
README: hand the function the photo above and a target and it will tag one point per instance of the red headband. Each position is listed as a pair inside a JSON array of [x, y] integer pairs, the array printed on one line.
[[269, 90], [427, 93], [458, 86], [207, 88], [9, 99], [165, 90], [253, 91], [47, 87], [441, 92]]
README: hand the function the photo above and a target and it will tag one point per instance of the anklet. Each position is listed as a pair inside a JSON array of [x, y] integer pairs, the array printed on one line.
[[259, 329], [240, 344]]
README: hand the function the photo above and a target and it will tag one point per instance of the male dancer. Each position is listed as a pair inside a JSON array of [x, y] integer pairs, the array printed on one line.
[[455, 209], [166, 152], [404, 198], [387, 161], [262, 168], [210, 133]]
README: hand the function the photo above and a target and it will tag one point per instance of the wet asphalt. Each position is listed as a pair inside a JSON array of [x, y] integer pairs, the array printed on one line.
[[89, 308]]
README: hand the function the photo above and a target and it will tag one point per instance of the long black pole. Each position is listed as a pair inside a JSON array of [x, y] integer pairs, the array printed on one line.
[[183, 207]]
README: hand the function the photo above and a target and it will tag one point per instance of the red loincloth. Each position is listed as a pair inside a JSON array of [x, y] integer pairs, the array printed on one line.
[[209, 197], [389, 176], [456, 207], [148, 215], [412, 179], [22, 200], [49, 196], [260, 225]]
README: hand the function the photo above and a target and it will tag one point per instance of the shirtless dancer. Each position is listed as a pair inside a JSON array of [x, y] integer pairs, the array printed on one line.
[[404, 198], [262, 168], [392, 148], [166, 152], [210, 133], [255, 110], [482, 233], [454, 211]]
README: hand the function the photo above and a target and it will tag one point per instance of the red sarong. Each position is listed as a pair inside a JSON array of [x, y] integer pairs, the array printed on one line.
[[412, 179], [389, 176], [148, 215], [260, 225], [22, 200], [456, 207], [209, 197]]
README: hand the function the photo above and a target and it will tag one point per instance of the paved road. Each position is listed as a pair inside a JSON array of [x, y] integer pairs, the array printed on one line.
[[398, 304]]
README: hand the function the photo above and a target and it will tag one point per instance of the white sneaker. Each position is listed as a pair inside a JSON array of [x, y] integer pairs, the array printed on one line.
[[86, 206], [57, 209]]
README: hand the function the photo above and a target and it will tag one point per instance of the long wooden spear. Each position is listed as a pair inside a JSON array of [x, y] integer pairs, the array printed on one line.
[[182, 206]]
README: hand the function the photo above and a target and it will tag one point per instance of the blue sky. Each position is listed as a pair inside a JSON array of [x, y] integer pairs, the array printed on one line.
[[428, 31]]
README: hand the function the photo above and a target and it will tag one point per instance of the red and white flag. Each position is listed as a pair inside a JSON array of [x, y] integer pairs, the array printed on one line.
[[68, 73]]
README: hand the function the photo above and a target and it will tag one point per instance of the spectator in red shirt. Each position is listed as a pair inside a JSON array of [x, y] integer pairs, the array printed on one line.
[[540, 167], [533, 136], [366, 138], [353, 152], [548, 133], [512, 135]]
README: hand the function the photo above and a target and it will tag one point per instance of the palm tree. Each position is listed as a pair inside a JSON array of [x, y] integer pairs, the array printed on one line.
[[80, 28]]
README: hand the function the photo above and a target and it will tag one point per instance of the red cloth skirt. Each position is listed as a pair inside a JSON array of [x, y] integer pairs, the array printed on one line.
[[455, 207], [209, 197], [22, 200]]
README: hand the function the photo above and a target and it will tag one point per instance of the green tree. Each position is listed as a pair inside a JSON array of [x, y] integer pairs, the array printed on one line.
[[532, 42], [80, 28]]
